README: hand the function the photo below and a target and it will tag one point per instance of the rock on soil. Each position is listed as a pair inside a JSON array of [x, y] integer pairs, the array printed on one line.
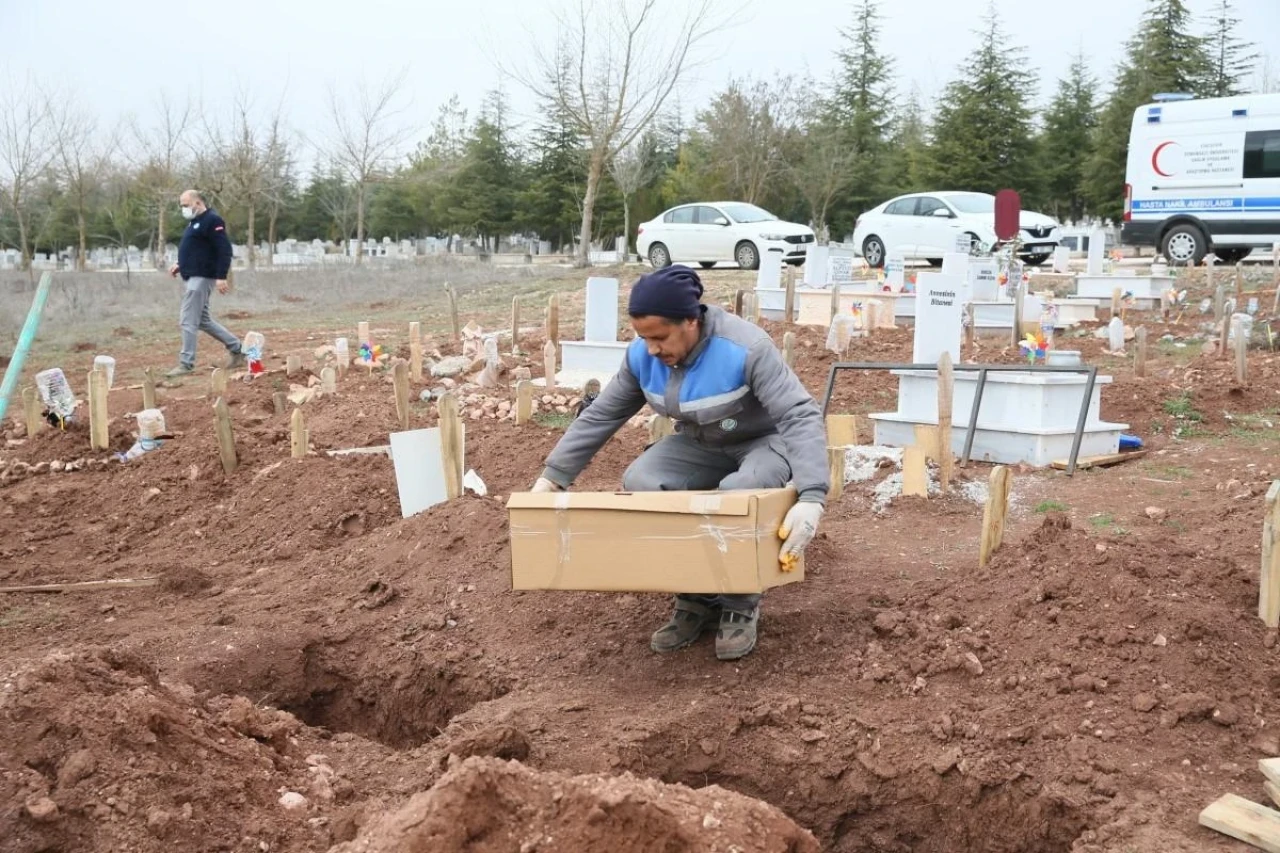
[[488, 806]]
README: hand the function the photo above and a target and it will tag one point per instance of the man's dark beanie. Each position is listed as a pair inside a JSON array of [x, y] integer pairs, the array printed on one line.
[[671, 292]]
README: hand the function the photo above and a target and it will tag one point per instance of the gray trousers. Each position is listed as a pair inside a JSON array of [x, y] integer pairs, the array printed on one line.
[[680, 463], [195, 319]]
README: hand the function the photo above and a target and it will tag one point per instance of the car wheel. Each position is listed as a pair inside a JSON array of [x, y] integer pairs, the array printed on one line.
[[706, 265], [659, 257], [873, 251], [747, 256], [1035, 260], [1184, 244], [1232, 256], [934, 262]]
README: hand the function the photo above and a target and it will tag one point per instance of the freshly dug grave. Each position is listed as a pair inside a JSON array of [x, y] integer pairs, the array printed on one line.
[[485, 805]]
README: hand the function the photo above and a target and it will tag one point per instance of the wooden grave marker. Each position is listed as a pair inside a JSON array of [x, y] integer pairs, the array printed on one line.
[[946, 392], [993, 516], [451, 443], [1269, 588], [298, 438], [99, 435], [31, 411], [226, 437], [524, 402], [148, 388], [400, 385]]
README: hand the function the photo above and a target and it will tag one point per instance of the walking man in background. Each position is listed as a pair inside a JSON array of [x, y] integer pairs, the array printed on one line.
[[204, 258]]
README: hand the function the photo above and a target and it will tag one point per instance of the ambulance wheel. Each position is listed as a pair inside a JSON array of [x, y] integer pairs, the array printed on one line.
[[1184, 244]]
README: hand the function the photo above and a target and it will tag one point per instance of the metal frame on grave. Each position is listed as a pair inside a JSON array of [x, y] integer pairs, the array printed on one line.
[[983, 370]]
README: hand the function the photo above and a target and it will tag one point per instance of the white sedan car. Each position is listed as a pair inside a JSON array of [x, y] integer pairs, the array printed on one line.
[[707, 233], [925, 226]]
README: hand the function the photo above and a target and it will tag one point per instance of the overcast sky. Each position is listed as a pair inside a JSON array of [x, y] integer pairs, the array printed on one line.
[[118, 55]]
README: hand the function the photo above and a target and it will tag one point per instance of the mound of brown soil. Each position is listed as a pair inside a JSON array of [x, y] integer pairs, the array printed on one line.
[[488, 806], [97, 754]]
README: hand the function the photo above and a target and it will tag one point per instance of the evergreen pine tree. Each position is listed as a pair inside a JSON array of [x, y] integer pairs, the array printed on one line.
[[482, 195], [859, 109], [551, 203], [1231, 59], [906, 163], [982, 138], [1065, 143], [1163, 56]]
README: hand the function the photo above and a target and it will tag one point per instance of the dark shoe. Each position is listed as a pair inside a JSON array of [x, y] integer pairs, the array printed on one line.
[[688, 620], [237, 360], [180, 370], [736, 637]]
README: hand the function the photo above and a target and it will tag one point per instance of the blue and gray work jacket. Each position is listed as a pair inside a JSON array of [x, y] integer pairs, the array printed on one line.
[[732, 387]]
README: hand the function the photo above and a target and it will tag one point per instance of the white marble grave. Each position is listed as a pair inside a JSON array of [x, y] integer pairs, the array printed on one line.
[[600, 355], [815, 266], [1097, 252], [1025, 417]]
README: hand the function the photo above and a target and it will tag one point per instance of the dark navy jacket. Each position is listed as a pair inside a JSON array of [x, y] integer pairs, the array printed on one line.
[[205, 250], [732, 387]]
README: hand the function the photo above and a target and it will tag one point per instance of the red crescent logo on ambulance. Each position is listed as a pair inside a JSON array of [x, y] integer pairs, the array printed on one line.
[[1155, 159]]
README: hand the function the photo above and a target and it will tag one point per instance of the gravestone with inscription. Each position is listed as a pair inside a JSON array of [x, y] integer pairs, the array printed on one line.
[[938, 316], [895, 267]]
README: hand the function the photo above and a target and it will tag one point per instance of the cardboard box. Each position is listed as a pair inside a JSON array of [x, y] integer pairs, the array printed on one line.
[[699, 542]]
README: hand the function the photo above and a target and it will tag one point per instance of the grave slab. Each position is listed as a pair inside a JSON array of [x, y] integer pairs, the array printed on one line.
[[602, 310]]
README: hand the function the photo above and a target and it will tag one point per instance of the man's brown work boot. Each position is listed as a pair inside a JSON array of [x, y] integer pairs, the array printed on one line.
[[737, 635], [688, 620]]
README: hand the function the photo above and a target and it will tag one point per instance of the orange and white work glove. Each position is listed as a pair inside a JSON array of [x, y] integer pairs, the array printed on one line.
[[797, 531], [545, 485]]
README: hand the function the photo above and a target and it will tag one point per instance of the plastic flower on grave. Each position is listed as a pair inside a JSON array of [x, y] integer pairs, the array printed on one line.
[[366, 353], [1033, 346]]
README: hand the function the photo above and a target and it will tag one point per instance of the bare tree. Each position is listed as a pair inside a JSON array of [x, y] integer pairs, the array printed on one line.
[[614, 65], [83, 158], [632, 168], [161, 163], [279, 175], [747, 128], [242, 161], [365, 138], [26, 150], [822, 162]]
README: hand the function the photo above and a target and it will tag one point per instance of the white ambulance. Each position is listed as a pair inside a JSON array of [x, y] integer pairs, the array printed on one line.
[[1204, 176]]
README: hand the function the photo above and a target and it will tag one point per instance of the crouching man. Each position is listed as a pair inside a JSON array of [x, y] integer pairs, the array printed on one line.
[[743, 421]]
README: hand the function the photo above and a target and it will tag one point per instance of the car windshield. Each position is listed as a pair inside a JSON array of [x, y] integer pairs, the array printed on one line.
[[747, 213], [972, 202]]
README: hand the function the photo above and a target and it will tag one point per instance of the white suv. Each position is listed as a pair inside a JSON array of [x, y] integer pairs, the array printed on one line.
[[710, 232], [924, 226]]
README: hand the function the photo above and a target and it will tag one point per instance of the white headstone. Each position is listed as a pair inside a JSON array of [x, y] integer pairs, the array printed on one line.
[[602, 310], [1097, 252], [983, 280], [1115, 334], [840, 260], [769, 276], [1032, 308], [620, 246], [938, 316], [1061, 259], [419, 468], [955, 263], [895, 267], [815, 266], [964, 243]]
